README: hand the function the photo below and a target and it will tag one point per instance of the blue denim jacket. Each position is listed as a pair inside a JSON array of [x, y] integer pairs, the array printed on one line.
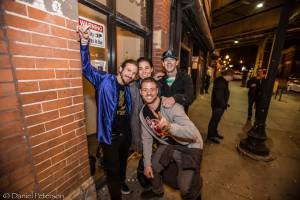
[[106, 96]]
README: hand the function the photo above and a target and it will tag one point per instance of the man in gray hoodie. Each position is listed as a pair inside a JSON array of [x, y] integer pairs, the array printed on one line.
[[179, 141]]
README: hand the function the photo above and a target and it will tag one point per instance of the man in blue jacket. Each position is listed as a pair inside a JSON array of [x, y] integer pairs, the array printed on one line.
[[113, 116]]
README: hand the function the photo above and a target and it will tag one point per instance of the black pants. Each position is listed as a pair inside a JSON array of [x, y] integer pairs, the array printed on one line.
[[251, 101], [214, 121], [115, 161]]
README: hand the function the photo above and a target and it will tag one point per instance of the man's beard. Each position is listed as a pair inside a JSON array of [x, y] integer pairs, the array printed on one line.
[[124, 82]]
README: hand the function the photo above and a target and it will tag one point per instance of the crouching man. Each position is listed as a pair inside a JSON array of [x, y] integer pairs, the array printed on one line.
[[179, 142]]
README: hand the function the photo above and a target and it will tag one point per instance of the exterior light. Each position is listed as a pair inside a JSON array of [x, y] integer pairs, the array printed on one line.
[[235, 41], [241, 61], [227, 56], [260, 5]]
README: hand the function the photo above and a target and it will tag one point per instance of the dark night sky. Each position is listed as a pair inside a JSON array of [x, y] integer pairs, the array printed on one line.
[[246, 53]]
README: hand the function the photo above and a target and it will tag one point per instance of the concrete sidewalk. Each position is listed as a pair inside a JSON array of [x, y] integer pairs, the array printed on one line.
[[227, 175]]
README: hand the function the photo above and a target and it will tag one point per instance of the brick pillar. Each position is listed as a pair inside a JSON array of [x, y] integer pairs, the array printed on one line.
[[42, 136], [161, 24]]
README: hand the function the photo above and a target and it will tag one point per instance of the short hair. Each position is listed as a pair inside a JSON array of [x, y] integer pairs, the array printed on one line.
[[227, 72], [149, 80], [128, 61], [144, 59]]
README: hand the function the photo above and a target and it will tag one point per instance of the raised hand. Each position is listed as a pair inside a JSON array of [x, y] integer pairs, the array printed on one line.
[[84, 32]]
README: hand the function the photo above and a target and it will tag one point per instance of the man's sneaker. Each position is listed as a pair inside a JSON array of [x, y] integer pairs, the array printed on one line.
[[125, 189], [149, 194]]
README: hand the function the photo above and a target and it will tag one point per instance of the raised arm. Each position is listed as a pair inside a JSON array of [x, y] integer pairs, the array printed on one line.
[[90, 72]]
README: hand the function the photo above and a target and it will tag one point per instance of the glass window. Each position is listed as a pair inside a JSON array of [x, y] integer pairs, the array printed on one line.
[[129, 45], [104, 2], [133, 9]]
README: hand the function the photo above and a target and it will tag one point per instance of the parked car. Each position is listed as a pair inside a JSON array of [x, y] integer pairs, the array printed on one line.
[[293, 83], [237, 75]]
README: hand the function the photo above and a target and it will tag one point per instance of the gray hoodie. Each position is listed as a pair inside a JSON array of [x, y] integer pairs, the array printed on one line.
[[182, 129]]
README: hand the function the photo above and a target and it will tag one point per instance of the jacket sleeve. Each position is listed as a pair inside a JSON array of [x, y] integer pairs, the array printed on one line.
[[181, 126], [249, 82], [188, 97], [147, 140], [219, 92], [90, 72]]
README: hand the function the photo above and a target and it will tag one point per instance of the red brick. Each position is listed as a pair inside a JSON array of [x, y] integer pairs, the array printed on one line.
[[6, 75], [3, 47], [72, 126], [60, 53], [30, 50], [68, 73], [45, 137], [11, 115], [17, 35], [70, 92], [57, 104], [47, 181], [14, 7], [21, 183], [49, 41], [34, 130], [79, 115], [7, 89], [9, 102], [20, 172], [10, 129], [51, 63], [37, 97], [78, 99], [10, 142], [75, 64], [80, 131], [76, 82], [73, 45], [43, 16], [28, 86], [32, 109], [58, 122], [26, 24], [73, 54], [47, 154], [52, 143], [4, 61], [63, 155], [65, 33], [35, 74], [4, 181], [54, 84], [71, 24], [71, 110], [27, 189], [23, 62], [43, 165], [43, 117], [18, 161], [46, 173]]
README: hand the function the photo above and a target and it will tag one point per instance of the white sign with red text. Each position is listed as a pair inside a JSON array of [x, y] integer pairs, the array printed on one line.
[[97, 31]]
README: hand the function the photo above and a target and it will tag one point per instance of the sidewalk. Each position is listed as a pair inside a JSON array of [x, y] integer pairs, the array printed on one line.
[[227, 175]]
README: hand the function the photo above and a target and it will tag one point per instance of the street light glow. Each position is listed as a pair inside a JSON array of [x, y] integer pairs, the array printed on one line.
[[227, 56], [235, 41], [259, 5]]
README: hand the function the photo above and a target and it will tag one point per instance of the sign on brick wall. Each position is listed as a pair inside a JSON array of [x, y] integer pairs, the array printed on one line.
[[97, 32]]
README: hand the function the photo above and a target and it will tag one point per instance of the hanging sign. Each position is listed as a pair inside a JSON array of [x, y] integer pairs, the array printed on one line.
[[97, 32]]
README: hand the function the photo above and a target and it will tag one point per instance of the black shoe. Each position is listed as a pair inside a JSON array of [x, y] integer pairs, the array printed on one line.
[[125, 189], [150, 194], [220, 136], [214, 140]]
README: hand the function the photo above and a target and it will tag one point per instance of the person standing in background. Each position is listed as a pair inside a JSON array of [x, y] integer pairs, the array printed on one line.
[[219, 103]]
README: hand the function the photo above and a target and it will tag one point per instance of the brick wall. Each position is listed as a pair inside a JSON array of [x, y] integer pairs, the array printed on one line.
[[161, 21], [42, 135]]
